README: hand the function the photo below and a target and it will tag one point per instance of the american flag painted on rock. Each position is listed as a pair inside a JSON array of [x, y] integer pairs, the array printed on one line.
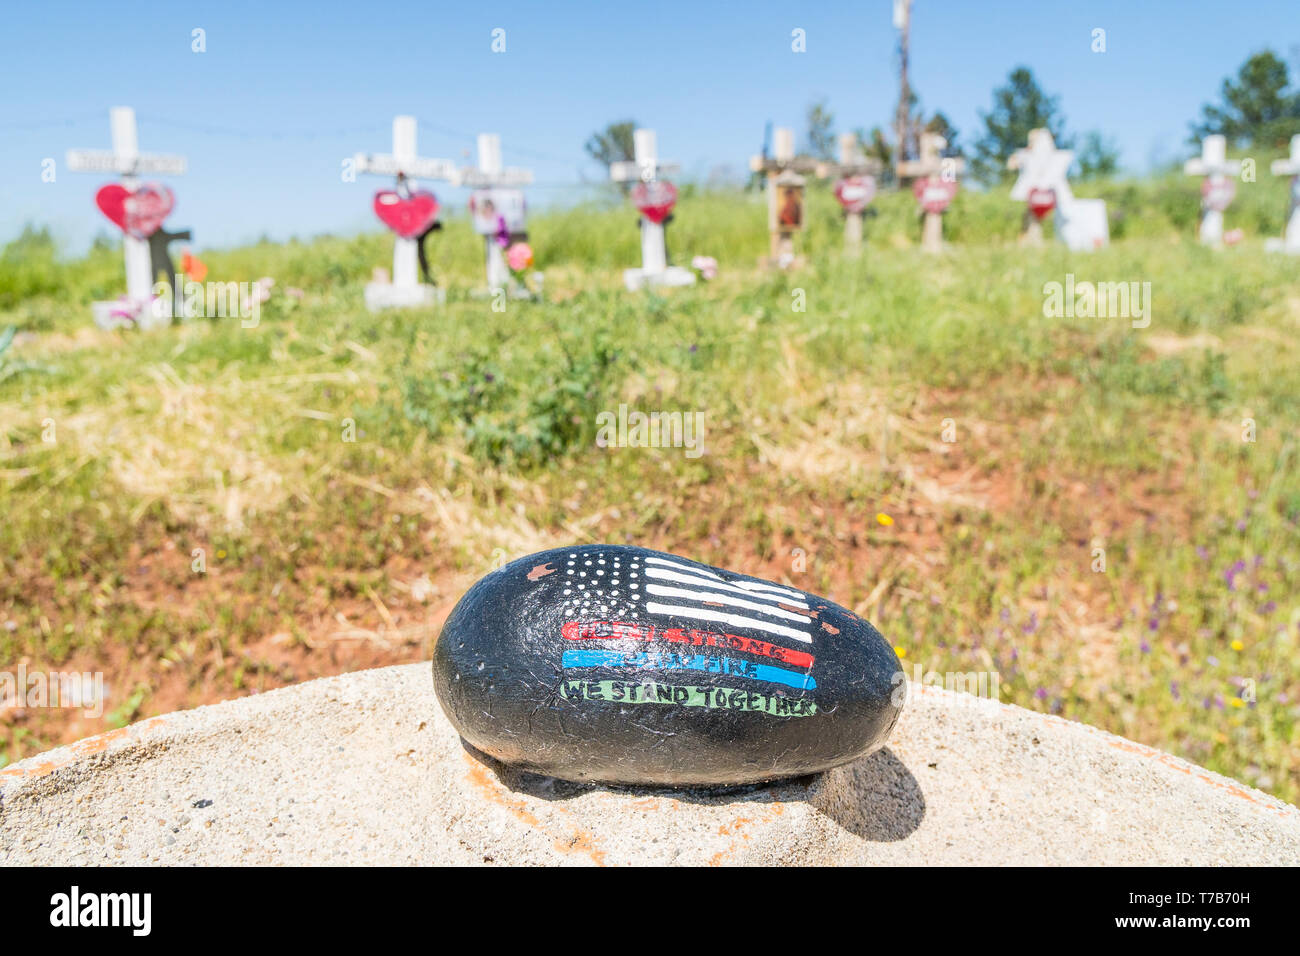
[[686, 618]]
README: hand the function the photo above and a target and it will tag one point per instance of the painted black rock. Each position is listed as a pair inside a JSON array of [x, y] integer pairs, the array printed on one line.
[[622, 665]]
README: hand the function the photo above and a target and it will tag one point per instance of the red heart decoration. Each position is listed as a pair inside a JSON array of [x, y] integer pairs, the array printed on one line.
[[854, 192], [934, 193], [139, 213], [1041, 202], [655, 199], [408, 216]]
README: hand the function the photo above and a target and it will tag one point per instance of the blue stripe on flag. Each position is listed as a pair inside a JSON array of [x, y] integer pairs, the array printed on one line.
[[697, 662]]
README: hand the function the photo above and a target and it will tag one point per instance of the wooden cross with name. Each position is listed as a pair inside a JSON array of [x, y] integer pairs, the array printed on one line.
[[645, 168], [404, 164], [129, 163], [784, 192], [857, 173], [1290, 166], [1218, 188], [936, 173], [491, 174]]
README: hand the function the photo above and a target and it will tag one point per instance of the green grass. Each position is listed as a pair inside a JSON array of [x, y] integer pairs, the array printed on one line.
[[475, 440]]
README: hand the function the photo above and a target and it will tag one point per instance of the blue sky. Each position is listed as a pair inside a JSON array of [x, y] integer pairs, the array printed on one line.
[[287, 90]]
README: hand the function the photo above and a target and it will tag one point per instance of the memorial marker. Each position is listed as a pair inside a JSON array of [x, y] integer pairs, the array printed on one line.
[[855, 188], [408, 211], [1290, 166], [935, 186], [1218, 187], [498, 211], [655, 198], [138, 209], [785, 188], [1043, 185]]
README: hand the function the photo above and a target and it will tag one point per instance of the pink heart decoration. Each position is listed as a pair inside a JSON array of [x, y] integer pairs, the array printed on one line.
[[1218, 192], [934, 194], [408, 216], [1041, 202], [855, 192], [655, 199], [139, 213]]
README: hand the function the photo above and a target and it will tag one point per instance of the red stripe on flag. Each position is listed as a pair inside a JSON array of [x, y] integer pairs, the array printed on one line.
[[622, 630]]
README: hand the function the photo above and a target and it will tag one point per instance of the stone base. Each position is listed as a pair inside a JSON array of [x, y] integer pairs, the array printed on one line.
[[108, 315], [517, 292], [636, 279], [382, 295], [963, 780], [781, 263]]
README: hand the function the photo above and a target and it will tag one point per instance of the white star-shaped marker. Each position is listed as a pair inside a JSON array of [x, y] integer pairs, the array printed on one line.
[[1041, 166]]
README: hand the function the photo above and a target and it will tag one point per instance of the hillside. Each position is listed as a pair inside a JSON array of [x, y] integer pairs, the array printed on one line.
[[128, 461]]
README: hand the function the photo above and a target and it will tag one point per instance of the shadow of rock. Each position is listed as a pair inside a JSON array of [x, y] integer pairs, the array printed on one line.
[[875, 798]]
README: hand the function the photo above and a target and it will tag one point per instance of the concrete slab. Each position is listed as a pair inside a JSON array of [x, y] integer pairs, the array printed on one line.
[[363, 768]]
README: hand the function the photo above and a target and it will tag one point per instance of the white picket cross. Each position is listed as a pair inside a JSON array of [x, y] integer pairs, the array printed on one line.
[[932, 165], [129, 163], [853, 162], [1213, 164], [1291, 167], [646, 167], [405, 164], [491, 173]]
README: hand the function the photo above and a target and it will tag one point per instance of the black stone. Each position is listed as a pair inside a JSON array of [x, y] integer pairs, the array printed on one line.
[[623, 665]]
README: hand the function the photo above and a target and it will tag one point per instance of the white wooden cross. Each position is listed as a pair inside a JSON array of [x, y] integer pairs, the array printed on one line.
[[405, 164], [646, 168], [932, 166], [129, 163], [1291, 167], [490, 174], [853, 162], [783, 170], [1219, 170]]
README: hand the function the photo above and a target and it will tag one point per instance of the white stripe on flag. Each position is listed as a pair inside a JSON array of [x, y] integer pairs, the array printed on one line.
[[662, 575], [721, 598], [724, 617], [747, 585]]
